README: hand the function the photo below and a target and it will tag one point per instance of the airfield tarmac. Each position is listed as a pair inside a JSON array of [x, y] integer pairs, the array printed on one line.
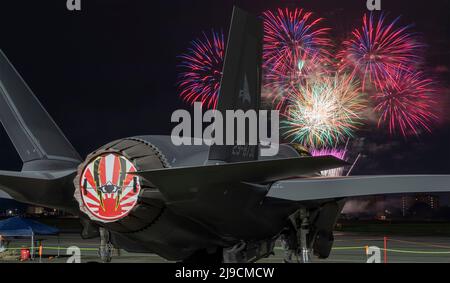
[[348, 248]]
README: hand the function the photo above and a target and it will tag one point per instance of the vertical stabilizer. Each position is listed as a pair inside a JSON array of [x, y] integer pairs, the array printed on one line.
[[241, 82], [31, 129]]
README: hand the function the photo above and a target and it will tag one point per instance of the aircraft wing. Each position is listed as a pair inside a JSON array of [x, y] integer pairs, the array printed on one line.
[[40, 188], [289, 183], [355, 186], [176, 183]]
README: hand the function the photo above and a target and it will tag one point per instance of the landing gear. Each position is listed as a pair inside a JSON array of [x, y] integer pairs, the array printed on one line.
[[246, 252], [306, 250], [289, 248], [323, 244], [297, 243], [235, 254], [106, 248]]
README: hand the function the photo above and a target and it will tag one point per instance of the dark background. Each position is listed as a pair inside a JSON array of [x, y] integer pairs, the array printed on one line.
[[109, 71]]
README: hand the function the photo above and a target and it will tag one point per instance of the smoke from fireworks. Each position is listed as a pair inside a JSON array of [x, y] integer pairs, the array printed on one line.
[[406, 103], [324, 112], [377, 49], [202, 70]]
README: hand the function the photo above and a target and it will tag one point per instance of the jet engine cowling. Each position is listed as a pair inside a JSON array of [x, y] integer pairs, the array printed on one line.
[[110, 195]]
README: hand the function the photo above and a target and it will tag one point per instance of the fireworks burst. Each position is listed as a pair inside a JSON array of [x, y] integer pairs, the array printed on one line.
[[280, 83], [290, 36], [324, 112], [405, 104], [377, 49], [295, 48], [202, 70], [320, 108], [336, 152]]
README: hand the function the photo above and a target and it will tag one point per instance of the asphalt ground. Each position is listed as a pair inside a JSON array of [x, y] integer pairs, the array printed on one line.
[[348, 248]]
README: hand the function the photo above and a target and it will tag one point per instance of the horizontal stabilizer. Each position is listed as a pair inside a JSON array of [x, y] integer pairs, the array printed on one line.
[[31, 129], [356, 186], [40, 188], [175, 182]]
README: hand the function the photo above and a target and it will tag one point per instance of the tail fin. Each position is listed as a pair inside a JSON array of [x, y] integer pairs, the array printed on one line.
[[241, 81], [33, 132]]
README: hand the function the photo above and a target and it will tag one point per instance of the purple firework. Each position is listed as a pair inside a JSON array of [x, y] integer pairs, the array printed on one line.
[[202, 70]]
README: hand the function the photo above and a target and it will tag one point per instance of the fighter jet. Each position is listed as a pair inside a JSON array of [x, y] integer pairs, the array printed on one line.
[[189, 203]]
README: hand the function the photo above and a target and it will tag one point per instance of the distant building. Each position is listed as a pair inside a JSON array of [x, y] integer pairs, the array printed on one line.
[[35, 210], [408, 201], [9, 207], [406, 204], [40, 211]]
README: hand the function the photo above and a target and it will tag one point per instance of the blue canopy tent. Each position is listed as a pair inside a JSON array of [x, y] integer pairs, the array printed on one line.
[[21, 227]]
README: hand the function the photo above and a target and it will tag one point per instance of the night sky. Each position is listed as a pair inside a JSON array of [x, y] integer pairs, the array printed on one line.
[[109, 71]]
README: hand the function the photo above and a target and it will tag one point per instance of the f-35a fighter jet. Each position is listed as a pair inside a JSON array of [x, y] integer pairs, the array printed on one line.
[[189, 203]]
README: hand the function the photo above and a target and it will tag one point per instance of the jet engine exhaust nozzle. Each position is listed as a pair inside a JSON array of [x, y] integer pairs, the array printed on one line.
[[110, 194]]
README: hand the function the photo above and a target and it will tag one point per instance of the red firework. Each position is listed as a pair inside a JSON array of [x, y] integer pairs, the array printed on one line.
[[292, 35], [295, 48], [377, 49], [406, 103], [202, 70]]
